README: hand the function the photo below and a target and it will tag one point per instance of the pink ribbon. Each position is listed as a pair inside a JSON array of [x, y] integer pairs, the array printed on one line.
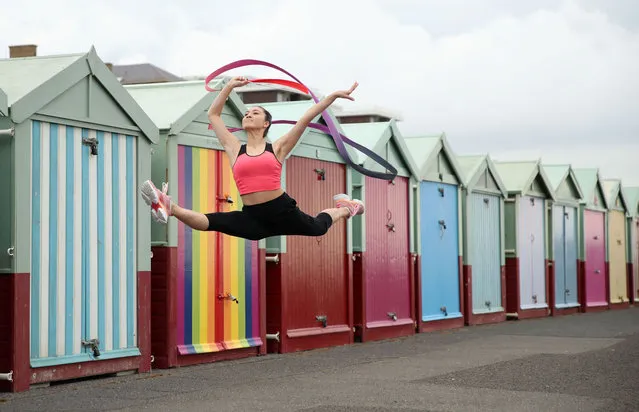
[[331, 129]]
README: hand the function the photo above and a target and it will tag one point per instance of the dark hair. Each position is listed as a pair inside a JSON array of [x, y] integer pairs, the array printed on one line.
[[268, 117]]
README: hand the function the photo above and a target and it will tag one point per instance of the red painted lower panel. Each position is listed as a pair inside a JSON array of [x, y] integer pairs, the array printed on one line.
[[630, 282], [359, 296], [417, 270], [441, 325], [14, 325], [164, 306], [592, 309], [316, 338], [623, 305], [512, 284], [261, 264], [83, 369], [201, 358], [513, 308], [566, 311], [274, 302], [399, 329], [551, 286], [144, 320], [534, 313]]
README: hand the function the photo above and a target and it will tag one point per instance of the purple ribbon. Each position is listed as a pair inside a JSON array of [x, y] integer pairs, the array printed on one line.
[[331, 129]]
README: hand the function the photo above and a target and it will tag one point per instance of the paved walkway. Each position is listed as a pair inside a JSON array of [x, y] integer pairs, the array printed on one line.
[[576, 363]]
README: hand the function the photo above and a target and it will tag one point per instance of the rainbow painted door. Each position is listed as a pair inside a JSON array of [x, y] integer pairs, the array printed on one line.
[[565, 255], [83, 242], [595, 240], [217, 274], [440, 251], [617, 257], [531, 245]]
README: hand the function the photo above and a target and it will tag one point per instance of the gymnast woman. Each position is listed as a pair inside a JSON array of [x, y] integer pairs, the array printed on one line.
[[257, 166]]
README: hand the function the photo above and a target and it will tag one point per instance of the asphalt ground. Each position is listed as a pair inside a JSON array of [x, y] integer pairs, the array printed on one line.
[[585, 362]]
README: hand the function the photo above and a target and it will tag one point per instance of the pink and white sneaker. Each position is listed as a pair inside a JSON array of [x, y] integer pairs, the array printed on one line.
[[160, 202], [355, 206]]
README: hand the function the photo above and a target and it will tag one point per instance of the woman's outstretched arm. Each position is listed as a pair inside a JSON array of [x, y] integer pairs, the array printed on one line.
[[230, 143], [283, 146]]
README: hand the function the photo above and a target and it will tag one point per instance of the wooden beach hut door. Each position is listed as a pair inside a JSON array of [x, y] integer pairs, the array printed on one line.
[[595, 238], [486, 253], [217, 274], [532, 273], [83, 248], [440, 252], [565, 255]]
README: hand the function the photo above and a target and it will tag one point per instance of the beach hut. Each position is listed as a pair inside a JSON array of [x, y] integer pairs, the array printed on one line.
[[439, 279], [563, 221], [309, 285], [384, 249], [207, 290], [75, 240], [526, 229], [592, 242], [618, 212], [632, 194], [484, 271]]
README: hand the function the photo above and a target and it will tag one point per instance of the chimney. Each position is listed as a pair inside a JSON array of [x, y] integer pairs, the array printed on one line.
[[24, 50]]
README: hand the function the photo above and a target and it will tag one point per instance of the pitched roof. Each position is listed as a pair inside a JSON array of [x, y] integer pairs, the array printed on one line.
[[613, 188], [473, 165], [294, 111], [632, 195], [558, 173], [518, 176], [424, 150], [470, 165], [366, 134], [20, 76], [143, 73], [31, 83], [174, 105], [375, 136], [589, 179]]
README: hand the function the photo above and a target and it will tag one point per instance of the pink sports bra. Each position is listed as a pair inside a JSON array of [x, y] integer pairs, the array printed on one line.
[[257, 173]]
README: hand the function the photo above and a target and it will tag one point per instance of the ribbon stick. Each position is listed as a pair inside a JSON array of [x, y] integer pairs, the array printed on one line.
[[330, 127]]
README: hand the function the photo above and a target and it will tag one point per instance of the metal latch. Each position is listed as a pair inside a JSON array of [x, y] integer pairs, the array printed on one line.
[[444, 310], [229, 297], [321, 318], [94, 344], [93, 142], [226, 198], [392, 315]]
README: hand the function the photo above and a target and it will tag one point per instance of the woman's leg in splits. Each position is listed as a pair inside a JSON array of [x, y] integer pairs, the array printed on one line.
[[234, 223]]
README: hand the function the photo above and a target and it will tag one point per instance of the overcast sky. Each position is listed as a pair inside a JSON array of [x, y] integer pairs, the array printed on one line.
[[518, 79]]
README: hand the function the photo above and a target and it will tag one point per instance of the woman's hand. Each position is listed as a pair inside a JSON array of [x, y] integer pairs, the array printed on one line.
[[237, 82], [345, 94]]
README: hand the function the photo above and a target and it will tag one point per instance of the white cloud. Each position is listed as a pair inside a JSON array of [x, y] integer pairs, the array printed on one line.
[[561, 79]]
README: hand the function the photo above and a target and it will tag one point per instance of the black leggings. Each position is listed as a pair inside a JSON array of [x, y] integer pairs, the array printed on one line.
[[277, 217]]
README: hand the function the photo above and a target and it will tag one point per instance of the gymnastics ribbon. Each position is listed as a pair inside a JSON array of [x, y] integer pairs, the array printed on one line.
[[330, 127]]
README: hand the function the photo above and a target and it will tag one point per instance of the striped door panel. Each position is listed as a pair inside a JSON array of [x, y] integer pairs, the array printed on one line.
[[213, 268], [83, 266]]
